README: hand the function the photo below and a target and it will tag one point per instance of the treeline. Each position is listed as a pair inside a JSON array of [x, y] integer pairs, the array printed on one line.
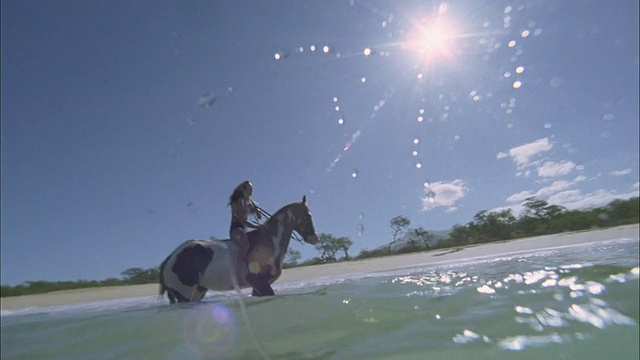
[[133, 276], [538, 218], [334, 249], [329, 247]]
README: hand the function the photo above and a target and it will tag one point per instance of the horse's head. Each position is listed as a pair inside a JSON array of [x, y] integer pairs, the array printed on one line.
[[304, 224]]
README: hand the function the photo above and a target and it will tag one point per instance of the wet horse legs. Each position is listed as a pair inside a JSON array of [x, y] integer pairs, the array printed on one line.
[[260, 284]]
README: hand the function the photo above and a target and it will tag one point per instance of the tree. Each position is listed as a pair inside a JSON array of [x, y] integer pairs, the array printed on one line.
[[398, 224], [459, 235], [576, 220], [492, 225], [112, 282], [420, 235], [364, 253], [343, 244], [623, 211], [328, 247], [141, 276], [313, 261], [538, 216], [541, 209], [292, 257]]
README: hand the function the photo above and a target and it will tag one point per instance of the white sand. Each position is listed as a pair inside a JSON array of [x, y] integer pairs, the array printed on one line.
[[343, 268]]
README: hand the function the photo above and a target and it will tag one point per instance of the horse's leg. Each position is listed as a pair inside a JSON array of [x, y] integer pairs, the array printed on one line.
[[202, 291], [172, 299], [264, 292], [198, 293], [176, 297], [260, 284]]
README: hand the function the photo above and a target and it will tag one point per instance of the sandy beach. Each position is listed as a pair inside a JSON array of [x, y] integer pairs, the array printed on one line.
[[344, 268]]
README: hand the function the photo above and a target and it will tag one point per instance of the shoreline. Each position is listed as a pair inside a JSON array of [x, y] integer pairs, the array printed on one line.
[[372, 265]]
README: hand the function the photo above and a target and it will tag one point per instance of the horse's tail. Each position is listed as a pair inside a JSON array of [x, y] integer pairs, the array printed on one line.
[[161, 276]]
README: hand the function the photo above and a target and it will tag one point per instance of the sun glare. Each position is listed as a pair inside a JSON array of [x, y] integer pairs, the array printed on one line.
[[433, 38]]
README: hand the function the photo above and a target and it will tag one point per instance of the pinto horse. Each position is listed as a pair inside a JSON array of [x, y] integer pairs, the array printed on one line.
[[200, 265]]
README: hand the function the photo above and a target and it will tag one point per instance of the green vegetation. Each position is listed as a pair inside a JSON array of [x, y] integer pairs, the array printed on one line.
[[291, 258], [133, 276], [539, 218]]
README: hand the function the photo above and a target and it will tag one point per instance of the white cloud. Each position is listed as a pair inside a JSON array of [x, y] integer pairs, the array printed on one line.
[[557, 186], [519, 197], [522, 154], [526, 173], [621, 172], [553, 188], [528, 156], [566, 197], [553, 169], [560, 193], [444, 194], [574, 199]]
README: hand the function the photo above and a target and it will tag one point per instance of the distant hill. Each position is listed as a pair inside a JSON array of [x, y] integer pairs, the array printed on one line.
[[438, 235]]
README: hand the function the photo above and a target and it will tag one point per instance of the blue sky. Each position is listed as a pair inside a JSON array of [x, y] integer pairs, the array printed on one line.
[[126, 125]]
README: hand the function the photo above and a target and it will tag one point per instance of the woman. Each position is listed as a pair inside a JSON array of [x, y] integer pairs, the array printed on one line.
[[242, 206]]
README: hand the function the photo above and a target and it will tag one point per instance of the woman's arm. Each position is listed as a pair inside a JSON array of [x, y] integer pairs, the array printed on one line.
[[256, 210], [241, 211]]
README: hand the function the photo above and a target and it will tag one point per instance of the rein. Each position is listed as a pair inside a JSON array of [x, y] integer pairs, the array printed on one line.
[[266, 214]]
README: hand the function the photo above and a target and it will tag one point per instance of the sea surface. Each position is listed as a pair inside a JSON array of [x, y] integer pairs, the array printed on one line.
[[576, 302]]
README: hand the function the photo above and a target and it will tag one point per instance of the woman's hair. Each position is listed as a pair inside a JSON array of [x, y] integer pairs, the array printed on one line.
[[238, 192]]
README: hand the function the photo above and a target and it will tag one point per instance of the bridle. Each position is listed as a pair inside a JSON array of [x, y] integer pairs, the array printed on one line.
[[295, 235]]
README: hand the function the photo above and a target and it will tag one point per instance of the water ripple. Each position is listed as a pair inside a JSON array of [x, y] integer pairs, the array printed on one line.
[[554, 303]]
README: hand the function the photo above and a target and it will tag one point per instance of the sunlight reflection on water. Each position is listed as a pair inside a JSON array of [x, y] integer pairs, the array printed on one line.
[[575, 302]]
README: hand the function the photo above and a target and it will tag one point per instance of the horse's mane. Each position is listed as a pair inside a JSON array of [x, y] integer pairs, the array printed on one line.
[[286, 207], [272, 219]]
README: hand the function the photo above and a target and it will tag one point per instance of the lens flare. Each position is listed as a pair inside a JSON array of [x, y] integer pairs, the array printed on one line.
[[438, 38], [356, 135], [210, 330]]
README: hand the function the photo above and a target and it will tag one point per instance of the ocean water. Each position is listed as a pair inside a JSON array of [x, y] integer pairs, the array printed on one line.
[[577, 302]]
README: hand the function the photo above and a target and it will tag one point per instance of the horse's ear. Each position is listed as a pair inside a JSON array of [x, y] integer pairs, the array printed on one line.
[[304, 199]]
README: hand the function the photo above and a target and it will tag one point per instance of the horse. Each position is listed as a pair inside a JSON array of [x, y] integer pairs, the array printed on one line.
[[197, 266]]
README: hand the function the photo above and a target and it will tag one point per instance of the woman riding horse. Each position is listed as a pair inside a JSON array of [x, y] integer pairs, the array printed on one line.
[[197, 266], [241, 207]]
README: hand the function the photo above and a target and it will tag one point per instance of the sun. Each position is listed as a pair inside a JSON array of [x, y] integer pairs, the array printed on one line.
[[433, 39]]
